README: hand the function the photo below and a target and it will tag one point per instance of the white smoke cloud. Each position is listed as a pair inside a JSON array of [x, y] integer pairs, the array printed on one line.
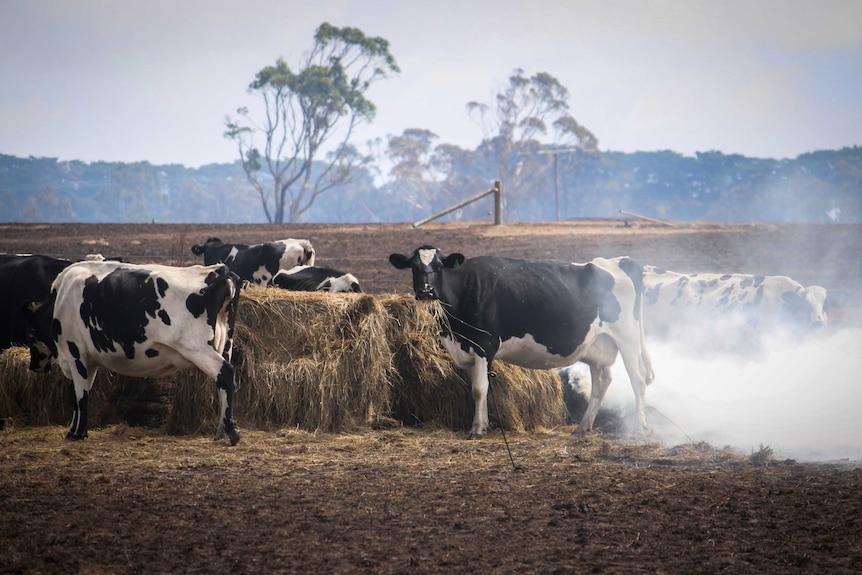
[[803, 399]]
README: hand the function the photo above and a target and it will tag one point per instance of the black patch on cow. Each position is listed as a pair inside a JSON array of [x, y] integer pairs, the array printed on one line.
[[724, 300], [78, 428], [56, 329], [211, 298], [118, 308], [491, 299], [162, 286], [151, 352], [225, 381], [76, 353], [163, 315]]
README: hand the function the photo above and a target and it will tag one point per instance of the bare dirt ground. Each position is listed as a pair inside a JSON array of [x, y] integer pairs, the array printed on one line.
[[419, 500]]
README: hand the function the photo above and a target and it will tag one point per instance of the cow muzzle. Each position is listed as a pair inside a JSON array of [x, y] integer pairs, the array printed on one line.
[[426, 292]]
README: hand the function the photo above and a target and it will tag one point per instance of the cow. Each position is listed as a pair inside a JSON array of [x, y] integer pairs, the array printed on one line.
[[257, 263], [538, 314], [707, 307], [23, 278], [316, 278], [140, 321]]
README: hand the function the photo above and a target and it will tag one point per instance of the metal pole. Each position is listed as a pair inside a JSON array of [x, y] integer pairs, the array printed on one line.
[[556, 184], [498, 203]]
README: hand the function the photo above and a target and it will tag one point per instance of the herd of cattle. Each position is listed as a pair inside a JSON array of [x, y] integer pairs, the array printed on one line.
[[152, 320]]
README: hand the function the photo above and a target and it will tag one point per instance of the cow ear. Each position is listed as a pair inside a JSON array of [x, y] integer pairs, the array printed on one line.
[[400, 261], [453, 261]]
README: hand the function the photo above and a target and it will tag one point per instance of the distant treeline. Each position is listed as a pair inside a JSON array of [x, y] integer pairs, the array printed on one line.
[[821, 186]]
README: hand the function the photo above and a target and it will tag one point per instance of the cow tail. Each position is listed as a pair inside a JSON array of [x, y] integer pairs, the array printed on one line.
[[235, 283], [229, 283]]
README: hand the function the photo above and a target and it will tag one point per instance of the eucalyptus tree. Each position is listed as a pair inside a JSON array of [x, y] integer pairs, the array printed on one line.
[[298, 147], [524, 129]]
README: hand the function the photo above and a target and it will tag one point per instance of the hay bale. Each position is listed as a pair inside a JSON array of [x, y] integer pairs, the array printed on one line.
[[429, 388], [311, 360]]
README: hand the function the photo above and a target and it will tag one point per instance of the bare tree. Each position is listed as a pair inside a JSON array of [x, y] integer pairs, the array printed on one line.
[[322, 102]]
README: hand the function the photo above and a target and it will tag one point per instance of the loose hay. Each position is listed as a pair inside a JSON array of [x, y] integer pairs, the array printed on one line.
[[317, 362]]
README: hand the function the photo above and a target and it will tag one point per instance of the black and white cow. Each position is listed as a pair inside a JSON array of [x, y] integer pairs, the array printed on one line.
[[140, 321], [536, 314], [316, 278], [23, 278], [257, 263], [710, 304]]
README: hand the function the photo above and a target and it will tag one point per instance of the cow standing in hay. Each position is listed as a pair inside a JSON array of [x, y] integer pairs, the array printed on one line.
[[140, 321], [536, 314]]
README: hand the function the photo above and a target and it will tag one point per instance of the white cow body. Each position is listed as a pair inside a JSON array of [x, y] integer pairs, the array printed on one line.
[[714, 308], [141, 321]]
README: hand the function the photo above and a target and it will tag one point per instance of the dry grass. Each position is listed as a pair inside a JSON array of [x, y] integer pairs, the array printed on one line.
[[29, 397], [316, 362]]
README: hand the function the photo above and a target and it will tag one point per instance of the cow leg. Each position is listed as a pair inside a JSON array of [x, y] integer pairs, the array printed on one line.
[[601, 380], [83, 383], [638, 373], [479, 380], [226, 387], [219, 369]]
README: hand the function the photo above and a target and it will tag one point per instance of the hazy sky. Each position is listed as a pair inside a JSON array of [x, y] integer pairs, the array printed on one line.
[[153, 80]]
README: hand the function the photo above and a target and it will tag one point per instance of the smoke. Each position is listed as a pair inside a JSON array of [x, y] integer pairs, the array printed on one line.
[[802, 398]]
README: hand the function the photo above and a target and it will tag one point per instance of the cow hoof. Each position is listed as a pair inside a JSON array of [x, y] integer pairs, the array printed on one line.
[[232, 433], [476, 435]]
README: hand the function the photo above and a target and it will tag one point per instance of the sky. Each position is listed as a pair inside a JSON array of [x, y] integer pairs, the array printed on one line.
[[132, 80]]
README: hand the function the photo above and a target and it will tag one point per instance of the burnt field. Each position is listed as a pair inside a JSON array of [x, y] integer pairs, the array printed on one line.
[[424, 499]]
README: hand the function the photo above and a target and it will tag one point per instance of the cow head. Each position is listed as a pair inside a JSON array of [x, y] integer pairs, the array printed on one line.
[[42, 332], [818, 304], [200, 250], [345, 283], [297, 253], [427, 264]]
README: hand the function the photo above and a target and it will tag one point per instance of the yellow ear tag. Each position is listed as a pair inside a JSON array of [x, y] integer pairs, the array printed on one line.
[[32, 306]]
